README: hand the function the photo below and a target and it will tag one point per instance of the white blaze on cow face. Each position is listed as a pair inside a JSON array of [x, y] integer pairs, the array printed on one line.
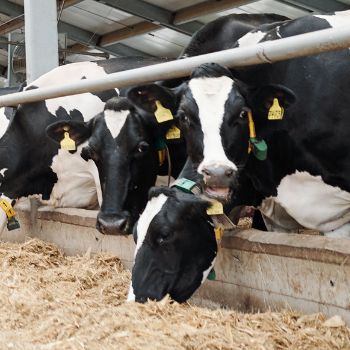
[[211, 95], [153, 207], [115, 120], [251, 38], [88, 104]]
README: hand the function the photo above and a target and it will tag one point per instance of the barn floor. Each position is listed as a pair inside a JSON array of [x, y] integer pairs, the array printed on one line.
[[53, 301]]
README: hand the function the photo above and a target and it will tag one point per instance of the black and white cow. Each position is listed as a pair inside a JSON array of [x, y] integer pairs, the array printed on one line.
[[304, 181], [129, 174], [176, 246], [124, 144], [30, 162]]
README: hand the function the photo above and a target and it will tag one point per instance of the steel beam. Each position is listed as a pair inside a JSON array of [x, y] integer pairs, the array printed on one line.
[[205, 8], [318, 5], [153, 13], [80, 35], [325, 40]]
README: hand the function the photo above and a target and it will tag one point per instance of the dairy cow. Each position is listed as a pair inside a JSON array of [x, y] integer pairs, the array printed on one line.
[[176, 246], [299, 109], [30, 162], [129, 150]]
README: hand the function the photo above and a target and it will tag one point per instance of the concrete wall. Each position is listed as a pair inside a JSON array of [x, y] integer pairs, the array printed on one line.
[[255, 270]]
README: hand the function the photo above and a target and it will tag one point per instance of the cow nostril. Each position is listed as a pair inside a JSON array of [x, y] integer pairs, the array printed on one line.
[[206, 172], [122, 224], [229, 172]]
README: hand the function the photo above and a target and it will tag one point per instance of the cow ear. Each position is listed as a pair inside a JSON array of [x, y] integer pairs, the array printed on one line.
[[265, 96], [144, 97], [79, 131]]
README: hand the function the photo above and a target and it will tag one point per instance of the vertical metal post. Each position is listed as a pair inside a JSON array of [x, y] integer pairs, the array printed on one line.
[[41, 37], [10, 76]]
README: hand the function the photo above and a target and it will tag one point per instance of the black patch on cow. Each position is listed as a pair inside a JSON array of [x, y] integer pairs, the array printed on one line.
[[210, 70], [32, 87], [83, 77], [118, 104], [104, 96]]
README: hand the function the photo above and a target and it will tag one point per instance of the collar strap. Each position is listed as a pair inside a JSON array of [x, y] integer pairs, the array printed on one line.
[[186, 185], [161, 150]]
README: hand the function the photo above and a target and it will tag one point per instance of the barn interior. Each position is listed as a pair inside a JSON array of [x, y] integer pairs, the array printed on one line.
[[90, 29]]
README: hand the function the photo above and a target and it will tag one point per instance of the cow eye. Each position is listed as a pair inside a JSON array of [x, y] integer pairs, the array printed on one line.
[[163, 238], [183, 118], [243, 114], [142, 147]]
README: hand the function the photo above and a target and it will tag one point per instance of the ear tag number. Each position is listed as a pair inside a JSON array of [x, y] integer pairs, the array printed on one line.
[[67, 143], [173, 133], [276, 112], [216, 208], [12, 222], [162, 114]]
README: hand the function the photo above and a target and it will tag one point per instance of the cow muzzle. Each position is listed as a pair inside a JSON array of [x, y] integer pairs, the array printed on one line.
[[218, 181], [113, 225]]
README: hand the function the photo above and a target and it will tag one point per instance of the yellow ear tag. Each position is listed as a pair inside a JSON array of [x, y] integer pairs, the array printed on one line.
[[216, 208], [218, 233], [276, 112], [162, 114], [67, 143], [173, 133]]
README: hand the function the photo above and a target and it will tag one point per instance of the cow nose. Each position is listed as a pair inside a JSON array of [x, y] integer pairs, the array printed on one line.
[[112, 225], [218, 172]]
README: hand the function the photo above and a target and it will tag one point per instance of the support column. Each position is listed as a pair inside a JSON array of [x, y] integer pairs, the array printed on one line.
[[41, 37]]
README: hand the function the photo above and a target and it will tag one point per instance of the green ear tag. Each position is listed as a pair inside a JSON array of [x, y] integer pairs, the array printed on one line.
[[212, 275], [259, 148], [160, 144], [185, 185], [12, 224]]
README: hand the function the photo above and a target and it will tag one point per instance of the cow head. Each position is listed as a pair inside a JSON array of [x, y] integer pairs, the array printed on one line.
[[175, 246], [213, 116], [123, 144]]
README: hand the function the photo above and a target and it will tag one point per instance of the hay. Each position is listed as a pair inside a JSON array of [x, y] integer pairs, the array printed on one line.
[[49, 301]]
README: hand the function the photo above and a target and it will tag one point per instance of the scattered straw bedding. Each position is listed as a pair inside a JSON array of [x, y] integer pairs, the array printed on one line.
[[49, 301]]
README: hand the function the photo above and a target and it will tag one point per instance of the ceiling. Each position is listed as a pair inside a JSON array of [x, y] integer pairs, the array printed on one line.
[[142, 27]]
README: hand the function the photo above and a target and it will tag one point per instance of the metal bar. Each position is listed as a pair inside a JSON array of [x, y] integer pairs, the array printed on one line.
[[267, 52]]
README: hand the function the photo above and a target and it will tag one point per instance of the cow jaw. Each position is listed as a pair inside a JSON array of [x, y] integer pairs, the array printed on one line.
[[219, 193]]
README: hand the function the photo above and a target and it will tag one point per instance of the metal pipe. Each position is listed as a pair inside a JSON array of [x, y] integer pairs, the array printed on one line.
[[268, 52]]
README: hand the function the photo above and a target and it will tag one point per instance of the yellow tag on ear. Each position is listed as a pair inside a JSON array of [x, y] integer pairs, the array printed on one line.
[[67, 143], [162, 114], [173, 133], [216, 208], [276, 112], [218, 233]]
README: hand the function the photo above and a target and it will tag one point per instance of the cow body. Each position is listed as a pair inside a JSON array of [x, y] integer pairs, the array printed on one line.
[[31, 163], [304, 180]]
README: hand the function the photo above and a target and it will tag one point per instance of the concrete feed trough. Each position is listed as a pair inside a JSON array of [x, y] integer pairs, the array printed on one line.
[[254, 270]]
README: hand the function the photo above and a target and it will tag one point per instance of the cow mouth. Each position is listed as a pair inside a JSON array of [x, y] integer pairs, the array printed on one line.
[[216, 192]]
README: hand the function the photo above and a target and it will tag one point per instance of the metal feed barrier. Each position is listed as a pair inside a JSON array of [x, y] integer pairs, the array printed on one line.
[[268, 52]]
